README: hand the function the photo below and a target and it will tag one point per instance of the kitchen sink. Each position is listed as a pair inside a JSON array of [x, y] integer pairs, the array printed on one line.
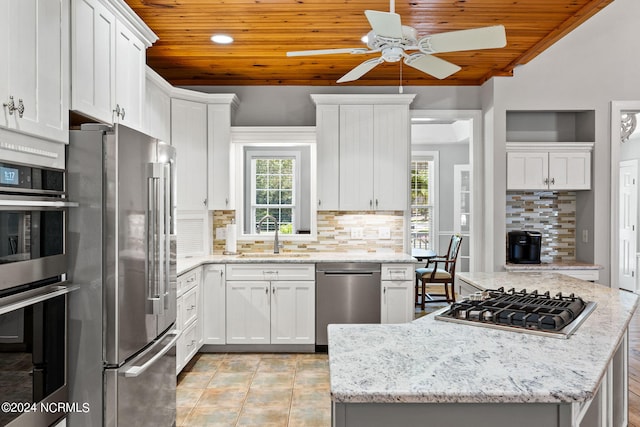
[[272, 255]]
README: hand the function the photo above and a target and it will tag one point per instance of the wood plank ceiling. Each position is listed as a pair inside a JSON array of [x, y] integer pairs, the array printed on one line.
[[264, 30]]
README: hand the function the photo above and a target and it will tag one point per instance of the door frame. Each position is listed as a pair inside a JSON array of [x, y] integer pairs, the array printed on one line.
[[617, 107], [477, 252]]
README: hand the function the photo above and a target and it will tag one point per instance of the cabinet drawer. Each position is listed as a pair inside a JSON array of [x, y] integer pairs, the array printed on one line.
[[188, 344], [398, 271], [190, 305], [188, 280], [271, 272]]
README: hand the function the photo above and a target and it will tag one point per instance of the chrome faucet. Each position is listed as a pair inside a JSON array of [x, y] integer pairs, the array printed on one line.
[[276, 243]]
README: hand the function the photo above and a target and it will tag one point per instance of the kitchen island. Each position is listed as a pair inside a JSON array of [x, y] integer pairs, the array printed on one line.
[[430, 372]]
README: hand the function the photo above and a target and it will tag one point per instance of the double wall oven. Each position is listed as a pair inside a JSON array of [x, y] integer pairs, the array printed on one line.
[[33, 290]]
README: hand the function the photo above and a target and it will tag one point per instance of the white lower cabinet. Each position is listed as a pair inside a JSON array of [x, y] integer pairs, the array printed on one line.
[[188, 316], [397, 304], [213, 304], [270, 304]]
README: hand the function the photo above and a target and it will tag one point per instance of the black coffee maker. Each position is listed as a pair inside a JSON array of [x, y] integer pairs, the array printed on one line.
[[524, 247]]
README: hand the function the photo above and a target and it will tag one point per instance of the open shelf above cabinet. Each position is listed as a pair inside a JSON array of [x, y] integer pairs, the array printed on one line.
[[550, 126]]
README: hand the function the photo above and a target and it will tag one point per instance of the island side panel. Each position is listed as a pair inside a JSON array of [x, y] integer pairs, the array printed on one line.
[[451, 414]]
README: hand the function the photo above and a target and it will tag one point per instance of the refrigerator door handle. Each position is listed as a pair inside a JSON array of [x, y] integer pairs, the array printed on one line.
[[166, 262], [154, 248], [135, 371]]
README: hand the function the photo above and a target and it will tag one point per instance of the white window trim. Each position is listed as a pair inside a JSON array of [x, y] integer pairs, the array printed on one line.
[[272, 136], [435, 156]]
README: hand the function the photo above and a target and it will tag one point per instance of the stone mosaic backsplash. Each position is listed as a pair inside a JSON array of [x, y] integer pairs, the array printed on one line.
[[551, 213], [334, 233]]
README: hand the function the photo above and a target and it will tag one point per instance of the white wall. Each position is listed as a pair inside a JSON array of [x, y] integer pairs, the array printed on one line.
[[593, 65]]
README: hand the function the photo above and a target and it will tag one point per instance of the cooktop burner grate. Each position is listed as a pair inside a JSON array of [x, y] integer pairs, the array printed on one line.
[[542, 313]]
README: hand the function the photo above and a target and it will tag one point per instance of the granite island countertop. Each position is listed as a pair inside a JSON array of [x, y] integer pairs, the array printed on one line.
[[186, 264], [432, 361]]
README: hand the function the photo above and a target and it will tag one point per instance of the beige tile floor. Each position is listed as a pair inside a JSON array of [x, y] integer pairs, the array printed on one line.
[[263, 390]]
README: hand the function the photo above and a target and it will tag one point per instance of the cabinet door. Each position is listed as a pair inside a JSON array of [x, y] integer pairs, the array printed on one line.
[[391, 159], [248, 314], [37, 72], [219, 137], [213, 303], [570, 170], [130, 77], [527, 170], [356, 157], [328, 151], [397, 301], [157, 117], [189, 136], [93, 30], [293, 312]]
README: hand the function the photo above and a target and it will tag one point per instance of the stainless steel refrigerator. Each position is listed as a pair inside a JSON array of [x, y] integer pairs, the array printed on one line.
[[122, 254]]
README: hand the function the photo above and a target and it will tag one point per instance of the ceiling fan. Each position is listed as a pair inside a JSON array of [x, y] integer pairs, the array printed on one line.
[[392, 40]]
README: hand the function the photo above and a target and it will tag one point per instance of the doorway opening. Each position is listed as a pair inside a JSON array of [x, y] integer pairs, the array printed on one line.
[[447, 186]]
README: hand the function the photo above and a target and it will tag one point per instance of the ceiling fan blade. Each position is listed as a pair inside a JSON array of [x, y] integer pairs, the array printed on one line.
[[436, 67], [360, 70], [472, 39], [354, 50], [385, 24]]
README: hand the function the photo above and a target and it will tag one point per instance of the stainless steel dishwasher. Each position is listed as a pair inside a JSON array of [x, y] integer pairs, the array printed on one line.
[[346, 293]]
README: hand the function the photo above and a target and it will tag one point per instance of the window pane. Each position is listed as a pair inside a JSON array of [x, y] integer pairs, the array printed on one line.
[[422, 232], [274, 181], [261, 197], [274, 188], [286, 197]]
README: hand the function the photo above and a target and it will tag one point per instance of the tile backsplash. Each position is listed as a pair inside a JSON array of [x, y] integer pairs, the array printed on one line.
[[334, 233], [551, 213]]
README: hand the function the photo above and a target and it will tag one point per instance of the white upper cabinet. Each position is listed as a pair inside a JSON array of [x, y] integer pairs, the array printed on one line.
[[356, 157], [157, 117], [548, 167], [189, 136], [130, 77], [220, 108], [328, 150], [93, 29], [369, 134], [108, 54], [34, 75], [391, 159]]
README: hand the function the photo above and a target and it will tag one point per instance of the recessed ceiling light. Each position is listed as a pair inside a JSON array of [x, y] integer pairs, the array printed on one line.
[[365, 38], [221, 39]]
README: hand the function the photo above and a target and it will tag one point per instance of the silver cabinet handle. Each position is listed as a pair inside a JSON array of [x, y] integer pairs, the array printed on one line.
[[119, 111], [11, 106], [20, 108], [266, 290], [370, 203], [553, 181], [135, 371], [376, 203], [546, 181]]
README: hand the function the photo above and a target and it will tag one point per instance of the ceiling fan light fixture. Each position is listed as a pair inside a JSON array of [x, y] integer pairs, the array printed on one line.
[[221, 39]]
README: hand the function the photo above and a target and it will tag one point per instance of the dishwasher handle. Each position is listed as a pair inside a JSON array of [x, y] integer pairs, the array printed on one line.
[[349, 272]]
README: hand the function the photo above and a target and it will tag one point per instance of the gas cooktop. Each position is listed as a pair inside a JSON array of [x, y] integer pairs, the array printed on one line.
[[533, 312]]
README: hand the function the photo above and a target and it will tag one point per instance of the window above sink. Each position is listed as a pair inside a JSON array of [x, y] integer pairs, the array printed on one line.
[[274, 171]]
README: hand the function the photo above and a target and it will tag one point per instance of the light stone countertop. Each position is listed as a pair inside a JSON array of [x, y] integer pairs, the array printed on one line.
[[186, 264], [432, 361]]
